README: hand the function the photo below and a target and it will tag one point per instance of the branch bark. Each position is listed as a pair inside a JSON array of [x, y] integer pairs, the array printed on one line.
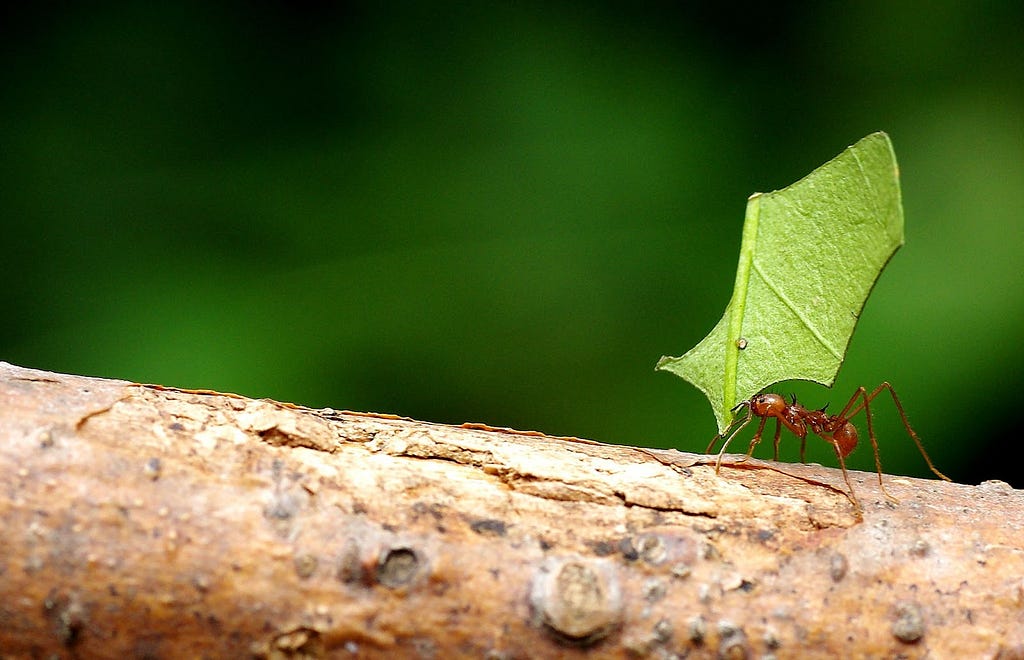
[[142, 521]]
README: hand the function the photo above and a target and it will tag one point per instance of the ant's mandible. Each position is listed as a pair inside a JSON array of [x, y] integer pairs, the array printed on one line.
[[834, 429]]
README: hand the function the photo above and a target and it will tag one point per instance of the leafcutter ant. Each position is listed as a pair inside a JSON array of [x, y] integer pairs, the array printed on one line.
[[837, 430]]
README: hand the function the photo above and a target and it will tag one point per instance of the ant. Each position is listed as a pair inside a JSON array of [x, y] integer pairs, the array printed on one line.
[[834, 429]]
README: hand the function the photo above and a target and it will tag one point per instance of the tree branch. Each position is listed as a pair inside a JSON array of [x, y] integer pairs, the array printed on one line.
[[147, 521]]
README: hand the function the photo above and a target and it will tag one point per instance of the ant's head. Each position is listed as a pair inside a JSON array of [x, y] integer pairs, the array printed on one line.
[[768, 404]]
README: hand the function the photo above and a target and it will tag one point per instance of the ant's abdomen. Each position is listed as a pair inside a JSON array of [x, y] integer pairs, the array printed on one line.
[[846, 438]]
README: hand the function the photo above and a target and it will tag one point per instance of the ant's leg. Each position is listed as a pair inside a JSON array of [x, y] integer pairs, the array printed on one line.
[[910, 431], [778, 434], [803, 449], [732, 434], [903, 417], [757, 437], [866, 405], [718, 436], [734, 428], [848, 411], [852, 496]]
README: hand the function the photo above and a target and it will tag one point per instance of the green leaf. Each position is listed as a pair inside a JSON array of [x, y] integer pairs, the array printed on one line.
[[809, 256]]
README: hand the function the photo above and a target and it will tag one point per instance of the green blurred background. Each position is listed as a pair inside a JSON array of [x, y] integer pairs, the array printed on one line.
[[503, 213]]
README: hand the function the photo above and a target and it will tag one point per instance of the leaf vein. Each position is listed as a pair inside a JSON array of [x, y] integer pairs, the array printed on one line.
[[796, 311], [878, 217]]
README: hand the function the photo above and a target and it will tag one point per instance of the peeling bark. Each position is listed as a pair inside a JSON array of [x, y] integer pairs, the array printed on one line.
[[141, 521]]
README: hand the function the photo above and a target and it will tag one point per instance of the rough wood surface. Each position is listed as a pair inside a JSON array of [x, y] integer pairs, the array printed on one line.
[[140, 521]]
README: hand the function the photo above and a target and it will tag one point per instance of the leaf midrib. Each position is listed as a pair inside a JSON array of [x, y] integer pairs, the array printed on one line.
[[748, 245]]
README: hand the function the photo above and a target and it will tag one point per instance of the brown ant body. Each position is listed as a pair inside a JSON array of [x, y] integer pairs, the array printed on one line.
[[834, 429]]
